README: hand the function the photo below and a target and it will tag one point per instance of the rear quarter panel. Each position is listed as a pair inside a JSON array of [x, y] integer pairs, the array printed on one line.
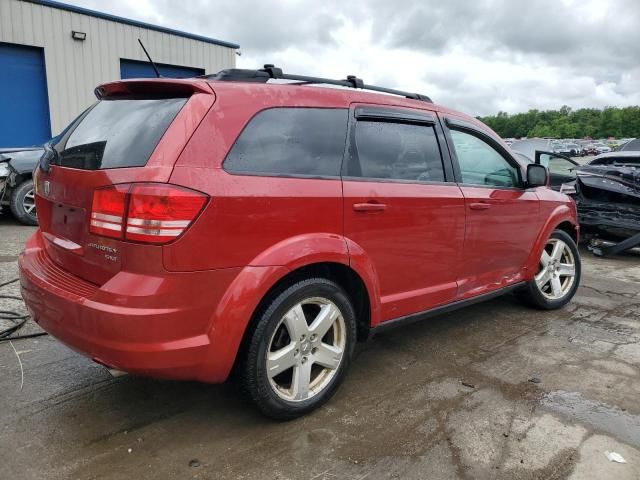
[[255, 220], [259, 221]]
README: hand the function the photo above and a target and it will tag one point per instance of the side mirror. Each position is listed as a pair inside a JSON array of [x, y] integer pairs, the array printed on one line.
[[537, 175]]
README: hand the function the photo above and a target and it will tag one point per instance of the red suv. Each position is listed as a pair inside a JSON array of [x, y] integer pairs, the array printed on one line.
[[191, 227]]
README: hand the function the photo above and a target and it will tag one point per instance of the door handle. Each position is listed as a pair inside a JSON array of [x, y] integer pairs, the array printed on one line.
[[369, 207], [479, 206]]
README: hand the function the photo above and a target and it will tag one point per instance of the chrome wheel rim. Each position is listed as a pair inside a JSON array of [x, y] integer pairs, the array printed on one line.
[[557, 272], [29, 203], [306, 349]]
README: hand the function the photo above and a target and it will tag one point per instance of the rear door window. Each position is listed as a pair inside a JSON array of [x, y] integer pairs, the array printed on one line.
[[395, 151], [291, 141], [117, 133]]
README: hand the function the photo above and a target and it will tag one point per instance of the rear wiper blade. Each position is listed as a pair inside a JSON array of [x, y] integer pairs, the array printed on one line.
[[49, 156]]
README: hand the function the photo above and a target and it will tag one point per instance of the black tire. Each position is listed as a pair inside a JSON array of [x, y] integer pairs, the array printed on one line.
[[17, 203], [532, 294], [255, 379]]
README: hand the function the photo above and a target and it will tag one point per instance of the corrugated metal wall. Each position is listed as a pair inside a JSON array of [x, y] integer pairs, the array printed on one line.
[[74, 68]]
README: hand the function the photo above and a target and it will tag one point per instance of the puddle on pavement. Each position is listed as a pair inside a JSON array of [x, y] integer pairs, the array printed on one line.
[[599, 416]]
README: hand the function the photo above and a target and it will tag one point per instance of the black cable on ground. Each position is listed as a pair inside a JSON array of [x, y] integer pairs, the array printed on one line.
[[19, 320]]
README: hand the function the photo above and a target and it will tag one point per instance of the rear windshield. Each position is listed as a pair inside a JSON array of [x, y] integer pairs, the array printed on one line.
[[117, 133]]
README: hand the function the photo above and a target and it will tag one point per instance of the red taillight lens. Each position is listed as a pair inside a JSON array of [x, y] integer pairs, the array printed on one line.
[[107, 211], [159, 213], [155, 213]]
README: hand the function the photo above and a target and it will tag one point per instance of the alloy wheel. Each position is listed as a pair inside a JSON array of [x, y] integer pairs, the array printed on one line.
[[29, 203], [306, 349], [557, 270]]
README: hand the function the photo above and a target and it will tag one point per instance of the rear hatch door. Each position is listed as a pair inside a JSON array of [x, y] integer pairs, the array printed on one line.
[[134, 133]]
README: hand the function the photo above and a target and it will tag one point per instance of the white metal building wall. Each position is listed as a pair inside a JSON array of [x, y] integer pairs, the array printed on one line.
[[74, 68]]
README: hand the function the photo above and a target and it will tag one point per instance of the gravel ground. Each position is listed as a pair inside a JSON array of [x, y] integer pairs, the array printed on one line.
[[493, 391]]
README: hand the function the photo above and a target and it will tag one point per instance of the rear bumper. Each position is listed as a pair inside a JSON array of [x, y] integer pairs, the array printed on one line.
[[155, 326]]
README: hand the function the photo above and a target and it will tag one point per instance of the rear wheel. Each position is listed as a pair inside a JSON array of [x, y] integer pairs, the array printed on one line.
[[558, 275], [300, 349], [23, 204]]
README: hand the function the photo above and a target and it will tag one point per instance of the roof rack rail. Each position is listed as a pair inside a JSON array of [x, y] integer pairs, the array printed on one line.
[[269, 72]]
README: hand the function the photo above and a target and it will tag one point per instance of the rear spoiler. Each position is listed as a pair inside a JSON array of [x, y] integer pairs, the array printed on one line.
[[153, 87]]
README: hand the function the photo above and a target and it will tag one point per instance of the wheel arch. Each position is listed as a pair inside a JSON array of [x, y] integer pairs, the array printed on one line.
[[562, 218], [569, 228], [343, 275], [273, 271], [330, 256], [23, 177]]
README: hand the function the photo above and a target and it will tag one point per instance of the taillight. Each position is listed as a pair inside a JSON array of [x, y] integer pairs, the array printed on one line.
[[107, 211], [159, 213], [144, 212]]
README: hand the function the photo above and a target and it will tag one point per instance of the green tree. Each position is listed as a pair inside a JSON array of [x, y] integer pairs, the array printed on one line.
[[541, 130], [568, 123]]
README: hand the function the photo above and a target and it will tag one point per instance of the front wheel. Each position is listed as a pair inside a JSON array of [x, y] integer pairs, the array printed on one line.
[[558, 275], [300, 349], [23, 203]]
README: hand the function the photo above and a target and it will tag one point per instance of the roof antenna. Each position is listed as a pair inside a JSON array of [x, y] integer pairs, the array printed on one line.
[[155, 69]]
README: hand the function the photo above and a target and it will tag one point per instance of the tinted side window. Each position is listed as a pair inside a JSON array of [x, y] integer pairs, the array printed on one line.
[[396, 151], [118, 133], [481, 164], [291, 141]]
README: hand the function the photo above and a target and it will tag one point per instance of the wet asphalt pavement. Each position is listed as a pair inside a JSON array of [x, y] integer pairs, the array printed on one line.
[[493, 391]]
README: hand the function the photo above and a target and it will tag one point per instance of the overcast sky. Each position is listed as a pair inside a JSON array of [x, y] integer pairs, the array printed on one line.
[[478, 56]]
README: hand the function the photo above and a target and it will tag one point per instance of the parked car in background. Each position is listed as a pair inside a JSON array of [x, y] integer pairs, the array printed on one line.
[[575, 150], [16, 177], [16, 183], [189, 228], [562, 149], [602, 148], [590, 149], [607, 194]]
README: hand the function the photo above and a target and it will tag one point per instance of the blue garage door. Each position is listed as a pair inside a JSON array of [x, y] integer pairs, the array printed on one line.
[[24, 104], [135, 69]]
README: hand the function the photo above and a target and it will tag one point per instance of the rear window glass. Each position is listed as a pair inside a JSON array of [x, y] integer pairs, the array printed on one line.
[[291, 141], [118, 133]]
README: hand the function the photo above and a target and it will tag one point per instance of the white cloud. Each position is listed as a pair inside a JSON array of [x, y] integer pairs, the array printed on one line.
[[479, 57]]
